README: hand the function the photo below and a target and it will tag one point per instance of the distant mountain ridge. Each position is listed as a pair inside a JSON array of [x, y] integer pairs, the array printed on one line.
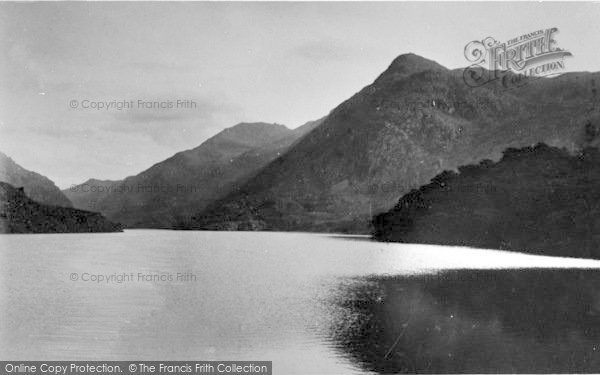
[[36, 186], [87, 195], [168, 193], [417, 119]]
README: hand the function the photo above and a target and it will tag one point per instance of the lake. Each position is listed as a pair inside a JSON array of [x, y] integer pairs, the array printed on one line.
[[311, 303]]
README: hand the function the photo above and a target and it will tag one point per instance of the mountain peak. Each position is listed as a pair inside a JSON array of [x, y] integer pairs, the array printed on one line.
[[408, 64], [256, 125], [252, 133], [95, 181]]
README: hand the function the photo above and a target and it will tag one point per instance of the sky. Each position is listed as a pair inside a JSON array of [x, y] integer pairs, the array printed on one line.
[[225, 63]]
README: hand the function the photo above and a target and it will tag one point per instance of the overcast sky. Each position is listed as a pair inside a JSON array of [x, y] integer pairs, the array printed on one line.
[[238, 62]]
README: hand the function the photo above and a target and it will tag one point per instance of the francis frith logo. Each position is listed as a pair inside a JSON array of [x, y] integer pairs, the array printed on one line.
[[515, 62]]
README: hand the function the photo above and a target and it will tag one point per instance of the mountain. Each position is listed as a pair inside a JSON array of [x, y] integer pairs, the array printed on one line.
[[87, 195], [36, 186], [415, 120], [536, 199], [19, 214], [165, 195]]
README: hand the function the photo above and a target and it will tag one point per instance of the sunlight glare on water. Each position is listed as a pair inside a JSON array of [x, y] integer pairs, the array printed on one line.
[[255, 295]]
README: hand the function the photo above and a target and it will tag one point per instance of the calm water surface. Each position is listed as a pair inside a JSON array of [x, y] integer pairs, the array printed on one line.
[[311, 303]]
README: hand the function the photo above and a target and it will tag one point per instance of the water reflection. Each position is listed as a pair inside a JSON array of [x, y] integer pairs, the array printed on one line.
[[471, 321]]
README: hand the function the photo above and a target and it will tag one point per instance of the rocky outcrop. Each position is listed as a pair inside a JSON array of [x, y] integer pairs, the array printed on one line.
[[20, 214]]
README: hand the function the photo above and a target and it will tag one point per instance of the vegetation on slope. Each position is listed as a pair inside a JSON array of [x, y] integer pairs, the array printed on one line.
[[19, 214], [538, 199]]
